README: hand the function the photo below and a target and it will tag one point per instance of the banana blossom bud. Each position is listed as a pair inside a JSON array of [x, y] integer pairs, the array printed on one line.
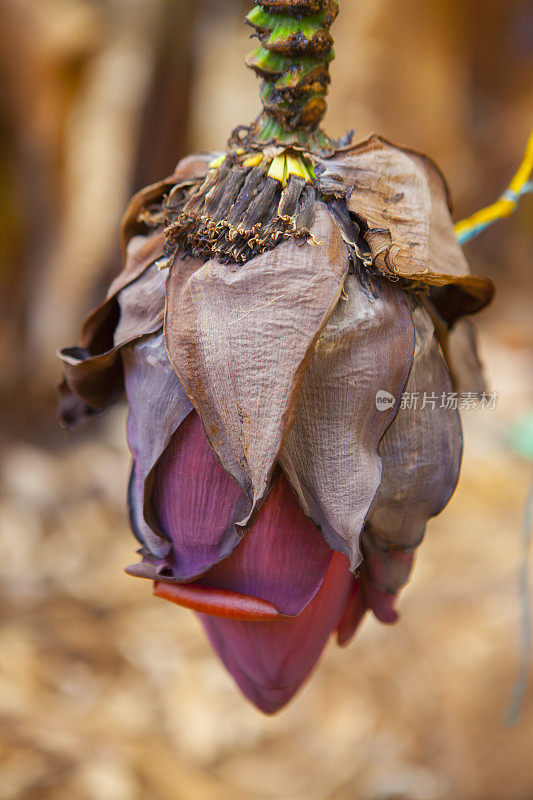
[[269, 294]]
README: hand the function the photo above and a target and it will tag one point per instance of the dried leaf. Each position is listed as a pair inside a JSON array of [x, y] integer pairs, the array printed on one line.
[[331, 454], [403, 199], [421, 455], [135, 303], [239, 338], [462, 358], [93, 372]]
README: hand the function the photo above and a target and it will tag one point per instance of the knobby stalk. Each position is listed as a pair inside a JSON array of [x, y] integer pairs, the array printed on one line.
[[293, 60], [255, 196]]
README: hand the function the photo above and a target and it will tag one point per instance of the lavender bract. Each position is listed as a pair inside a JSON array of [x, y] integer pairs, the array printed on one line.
[[269, 292]]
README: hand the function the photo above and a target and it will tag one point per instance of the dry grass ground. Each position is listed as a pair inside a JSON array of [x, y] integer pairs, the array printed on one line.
[[109, 694]]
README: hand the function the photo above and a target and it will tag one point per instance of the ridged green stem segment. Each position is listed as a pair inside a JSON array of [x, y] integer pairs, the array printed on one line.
[[293, 59]]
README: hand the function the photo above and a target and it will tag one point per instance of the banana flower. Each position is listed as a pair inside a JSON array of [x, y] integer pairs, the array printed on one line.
[[271, 294]]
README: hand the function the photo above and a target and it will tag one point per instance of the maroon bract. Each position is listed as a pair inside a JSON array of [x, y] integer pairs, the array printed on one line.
[[270, 295]]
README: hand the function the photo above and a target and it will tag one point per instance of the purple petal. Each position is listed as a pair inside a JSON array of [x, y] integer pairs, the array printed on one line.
[[270, 660], [158, 405], [283, 558], [195, 501], [140, 253], [352, 615], [215, 602]]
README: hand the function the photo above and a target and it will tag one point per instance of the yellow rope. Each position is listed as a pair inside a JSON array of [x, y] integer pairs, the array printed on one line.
[[503, 207]]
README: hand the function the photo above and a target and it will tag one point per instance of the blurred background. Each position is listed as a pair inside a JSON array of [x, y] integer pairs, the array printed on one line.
[[108, 694]]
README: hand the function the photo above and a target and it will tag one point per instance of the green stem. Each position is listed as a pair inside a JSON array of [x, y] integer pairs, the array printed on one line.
[[293, 60]]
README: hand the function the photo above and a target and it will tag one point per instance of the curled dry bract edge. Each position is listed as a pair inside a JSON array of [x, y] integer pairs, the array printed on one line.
[[403, 200]]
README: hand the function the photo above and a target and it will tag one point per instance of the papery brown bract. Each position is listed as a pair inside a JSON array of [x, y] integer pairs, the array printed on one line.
[[93, 375], [268, 491], [331, 455], [405, 204], [421, 456], [239, 338]]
